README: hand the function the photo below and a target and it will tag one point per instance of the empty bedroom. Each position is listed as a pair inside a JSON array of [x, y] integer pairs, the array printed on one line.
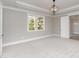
[[39, 28]]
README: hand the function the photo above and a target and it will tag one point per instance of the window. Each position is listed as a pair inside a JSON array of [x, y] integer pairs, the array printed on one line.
[[36, 23], [40, 23]]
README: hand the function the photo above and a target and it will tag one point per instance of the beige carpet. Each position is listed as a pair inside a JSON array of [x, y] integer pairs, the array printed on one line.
[[44, 48]]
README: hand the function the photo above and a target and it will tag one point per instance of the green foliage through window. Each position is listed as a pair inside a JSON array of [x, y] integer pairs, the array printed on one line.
[[36, 23]]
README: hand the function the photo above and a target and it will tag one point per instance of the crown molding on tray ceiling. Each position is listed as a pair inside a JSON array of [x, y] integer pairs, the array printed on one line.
[[42, 9], [31, 6], [27, 11], [76, 7]]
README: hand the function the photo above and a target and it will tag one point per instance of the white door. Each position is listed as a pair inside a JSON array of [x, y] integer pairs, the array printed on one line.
[[0, 28], [65, 27]]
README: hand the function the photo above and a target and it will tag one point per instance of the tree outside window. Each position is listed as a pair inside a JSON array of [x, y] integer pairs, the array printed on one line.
[[36, 23]]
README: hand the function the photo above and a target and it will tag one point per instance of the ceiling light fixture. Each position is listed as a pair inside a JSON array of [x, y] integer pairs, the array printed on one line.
[[52, 9]]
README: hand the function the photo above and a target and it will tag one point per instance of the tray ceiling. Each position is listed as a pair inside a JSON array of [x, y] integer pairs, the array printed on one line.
[[61, 4]]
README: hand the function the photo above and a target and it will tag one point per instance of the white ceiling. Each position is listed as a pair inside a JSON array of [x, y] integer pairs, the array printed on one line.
[[61, 4]]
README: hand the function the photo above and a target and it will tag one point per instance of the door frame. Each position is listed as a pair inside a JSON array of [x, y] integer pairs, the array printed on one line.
[[1, 23]]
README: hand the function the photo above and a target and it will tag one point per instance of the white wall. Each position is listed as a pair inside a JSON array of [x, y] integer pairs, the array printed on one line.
[[56, 25], [65, 27], [15, 26]]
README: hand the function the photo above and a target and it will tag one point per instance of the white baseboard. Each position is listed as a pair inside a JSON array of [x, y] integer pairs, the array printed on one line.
[[58, 35], [28, 40]]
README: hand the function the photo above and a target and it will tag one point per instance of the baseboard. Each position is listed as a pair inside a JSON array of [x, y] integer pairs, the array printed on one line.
[[28, 40], [58, 35]]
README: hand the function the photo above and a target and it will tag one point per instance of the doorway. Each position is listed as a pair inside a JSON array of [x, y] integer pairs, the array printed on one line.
[[74, 27]]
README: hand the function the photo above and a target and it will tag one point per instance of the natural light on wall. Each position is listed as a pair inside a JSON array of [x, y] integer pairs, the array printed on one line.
[[35, 23]]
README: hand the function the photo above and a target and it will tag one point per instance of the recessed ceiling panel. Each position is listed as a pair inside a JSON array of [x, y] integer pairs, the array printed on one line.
[[61, 4]]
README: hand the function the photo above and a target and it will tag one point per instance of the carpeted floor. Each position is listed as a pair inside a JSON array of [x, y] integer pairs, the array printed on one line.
[[44, 48]]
